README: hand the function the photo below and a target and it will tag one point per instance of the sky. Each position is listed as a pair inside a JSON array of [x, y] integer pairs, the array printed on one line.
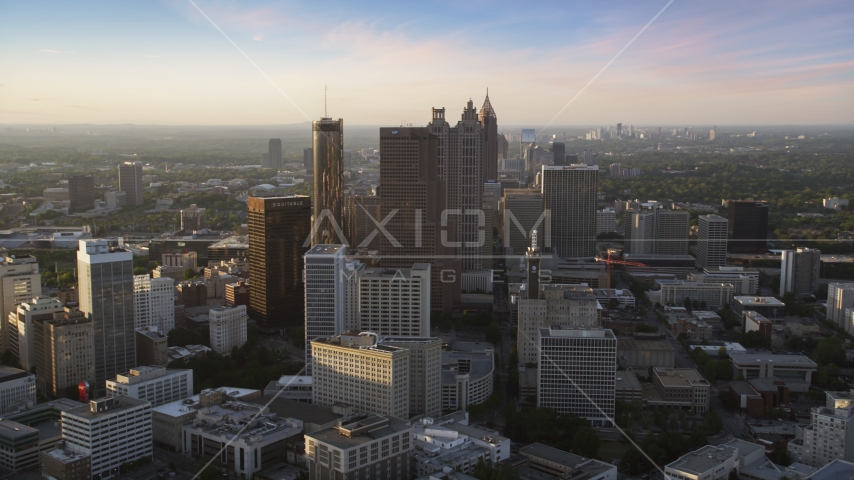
[[221, 62]]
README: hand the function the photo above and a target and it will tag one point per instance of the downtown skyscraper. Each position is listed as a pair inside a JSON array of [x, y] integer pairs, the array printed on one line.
[[130, 182], [105, 282], [327, 139], [461, 151], [279, 228], [489, 123], [410, 185], [569, 201]]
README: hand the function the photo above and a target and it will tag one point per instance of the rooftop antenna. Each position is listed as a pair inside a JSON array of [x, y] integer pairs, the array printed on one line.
[[325, 114]]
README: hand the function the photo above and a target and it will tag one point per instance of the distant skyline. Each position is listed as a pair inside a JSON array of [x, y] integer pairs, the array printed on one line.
[[737, 63]]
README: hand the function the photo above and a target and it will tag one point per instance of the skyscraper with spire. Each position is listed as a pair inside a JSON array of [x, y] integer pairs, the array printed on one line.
[[461, 162], [327, 141], [489, 123]]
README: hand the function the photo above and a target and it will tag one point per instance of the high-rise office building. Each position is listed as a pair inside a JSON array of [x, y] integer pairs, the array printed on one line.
[[619, 129], [425, 373], [840, 297], [81, 191], [523, 212], [654, 230], [577, 372], [799, 271], [193, 218], [569, 200], [606, 220], [324, 294], [460, 153], [63, 351], [152, 347], [503, 147], [591, 158], [154, 384], [410, 185], [327, 139], [308, 161], [352, 368], [279, 228], [128, 438], [573, 305], [711, 241], [747, 227], [19, 282], [489, 123], [265, 160], [130, 182], [154, 302], [105, 282], [21, 327], [559, 151], [358, 226], [17, 390], [712, 133], [228, 328], [274, 148], [395, 301]]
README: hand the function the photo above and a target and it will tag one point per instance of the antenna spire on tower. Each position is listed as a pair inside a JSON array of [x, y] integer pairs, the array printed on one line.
[[325, 114]]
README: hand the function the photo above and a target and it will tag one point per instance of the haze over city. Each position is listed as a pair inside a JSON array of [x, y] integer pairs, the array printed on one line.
[[765, 62]]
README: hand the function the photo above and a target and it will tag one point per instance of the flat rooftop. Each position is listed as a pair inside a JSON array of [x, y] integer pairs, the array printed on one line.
[[837, 469], [15, 430], [8, 373], [758, 301], [746, 359], [326, 249], [307, 412], [627, 381], [703, 460], [65, 456], [566, 459], [679, 377], [332, 436], [122, 404]]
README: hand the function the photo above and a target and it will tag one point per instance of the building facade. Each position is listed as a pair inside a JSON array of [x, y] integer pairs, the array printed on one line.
[[19, 282], [570, 202], [112, 431], [577, 372], [152, 347], [22, 326], [523, 213], [278, 230], [228, 328], [840, 297], [327, 139], [352, 368], [63, 351], [105, 282], [130, 182], [17, 390], [154, 302], [425, 373], [413, 183], [711, 241], [395, 302], [714, 295], [193, 218], [799, 271], [324, 294], [81, 191], [747, 226], [156, 385], [830, 435]]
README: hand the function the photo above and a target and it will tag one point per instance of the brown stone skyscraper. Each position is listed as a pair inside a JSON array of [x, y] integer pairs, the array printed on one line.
[[410, 187], [278, 230], [327, 141], [81, 191], [489, 123]]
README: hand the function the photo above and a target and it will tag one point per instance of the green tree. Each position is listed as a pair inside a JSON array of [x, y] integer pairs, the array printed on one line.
[[209, 473], [585, 442], [190, 274], [830, 350]]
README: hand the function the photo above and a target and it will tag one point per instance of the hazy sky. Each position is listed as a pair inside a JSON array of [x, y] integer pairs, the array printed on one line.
[[699, 63]]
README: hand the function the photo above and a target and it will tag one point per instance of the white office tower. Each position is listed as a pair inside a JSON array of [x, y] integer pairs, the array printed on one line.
[[425, 373], [19, 282], [228, 328], [591, 158], [711, 241], [112, 431], [577, 372], [353, 368], [550, 304], [799, 271], [154, 384], [105, 282], [22, 331], [830, 436], [324, 294], [395, 301], [569, 200], [654, 230], [840, 296], [154, 302], [606, 221]]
